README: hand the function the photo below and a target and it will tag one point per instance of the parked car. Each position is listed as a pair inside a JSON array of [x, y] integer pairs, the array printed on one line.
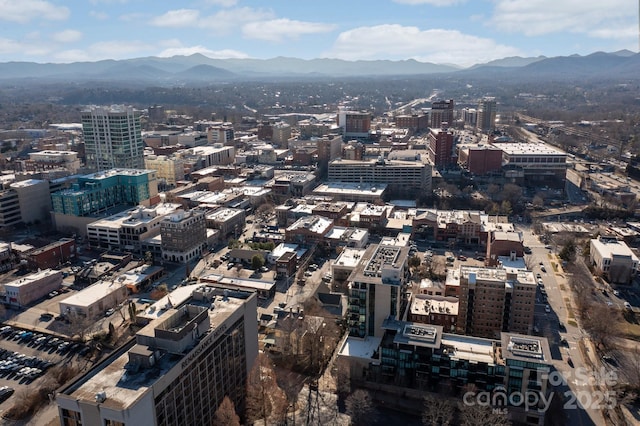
[[109, 312], [5, 393], [547, 309], [543, 269]]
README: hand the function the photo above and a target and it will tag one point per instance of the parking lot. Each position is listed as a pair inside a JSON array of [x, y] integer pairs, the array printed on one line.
[[26, 356]]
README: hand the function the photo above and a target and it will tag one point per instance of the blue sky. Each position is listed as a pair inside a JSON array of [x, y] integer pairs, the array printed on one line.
[[462, 32]]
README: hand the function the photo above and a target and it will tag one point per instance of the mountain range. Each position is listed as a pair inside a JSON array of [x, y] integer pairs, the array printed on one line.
[[198, 68]]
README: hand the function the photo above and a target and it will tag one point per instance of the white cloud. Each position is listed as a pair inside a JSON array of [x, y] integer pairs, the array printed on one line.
[[24, 11], [67, 36], [130, 17], [15, 47], [215, 54], [400, 42], [539, 17], [223, 3], [72, 55], [118, 49], [221, 22], [279, 29], [177, 18], [98, 15], [431, 2]]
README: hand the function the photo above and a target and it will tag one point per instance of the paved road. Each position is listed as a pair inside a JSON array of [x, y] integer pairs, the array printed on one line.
[[558, 298]]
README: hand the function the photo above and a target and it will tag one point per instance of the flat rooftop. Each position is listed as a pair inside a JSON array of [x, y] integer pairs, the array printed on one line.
[[349, 258], [470, 348], [360, 348], [29, 279], [93, 293], [376, 189], [122, 387], [520, 148], [426, 305]]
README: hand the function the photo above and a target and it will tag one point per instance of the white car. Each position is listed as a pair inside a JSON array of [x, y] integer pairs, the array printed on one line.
[[547, 309]]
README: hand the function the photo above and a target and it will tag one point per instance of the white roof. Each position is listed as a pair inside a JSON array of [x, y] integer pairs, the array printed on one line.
[[360, 348], [93, 293], [611, 248]]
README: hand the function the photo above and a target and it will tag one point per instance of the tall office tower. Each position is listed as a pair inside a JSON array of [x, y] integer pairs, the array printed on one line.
[[441, 112], [486, 114], [112, 138]]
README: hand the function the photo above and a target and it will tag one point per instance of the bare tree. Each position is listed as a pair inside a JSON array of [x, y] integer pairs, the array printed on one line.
[[603, 332], [360, 407], [479, 415], [226, 414], [264, 397], [437, 411]]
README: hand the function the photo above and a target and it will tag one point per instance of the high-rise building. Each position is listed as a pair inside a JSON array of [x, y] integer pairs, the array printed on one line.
[[376, 289], [441, 112], [354, 124], [441, 152], [184, 235], [486, 114], [495, 300], [197, 348], [112, 138]]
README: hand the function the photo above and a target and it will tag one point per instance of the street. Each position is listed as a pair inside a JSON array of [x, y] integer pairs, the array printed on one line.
[[558, 296]]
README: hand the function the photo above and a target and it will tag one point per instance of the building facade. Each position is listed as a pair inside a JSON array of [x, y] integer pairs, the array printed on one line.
[[441, 147], [614, 259], [177, 370], [112, 138], [494, 301], [486, 115], [184, 235], [398, 175], [28, 289], [376, 289], [441, 112]]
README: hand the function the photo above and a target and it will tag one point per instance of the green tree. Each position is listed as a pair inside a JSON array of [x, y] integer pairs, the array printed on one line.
[[505, 208], [257, 262]]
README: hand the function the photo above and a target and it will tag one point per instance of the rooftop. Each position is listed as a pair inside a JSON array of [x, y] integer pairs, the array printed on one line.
[[28, 279], [120, 385], [360, 348], [520, 148], [470, 348]]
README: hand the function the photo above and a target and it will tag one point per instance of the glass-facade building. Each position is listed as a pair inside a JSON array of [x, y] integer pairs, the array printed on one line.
[[100, 191]]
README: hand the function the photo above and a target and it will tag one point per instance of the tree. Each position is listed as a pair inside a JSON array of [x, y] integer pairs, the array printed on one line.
[[505, 208], [437, 412], [148, 258], [603, 332], [159, 292], [568, 251], [481, 415], [414, 262], [226, 414], [360, 407], [133, 312], [264, 397], [257, 262]]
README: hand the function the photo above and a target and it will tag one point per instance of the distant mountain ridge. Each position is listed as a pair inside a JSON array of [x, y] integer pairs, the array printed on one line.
[[198, 68]]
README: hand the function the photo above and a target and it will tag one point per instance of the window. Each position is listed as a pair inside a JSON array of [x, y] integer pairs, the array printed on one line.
[[108, 422], [71, 418]]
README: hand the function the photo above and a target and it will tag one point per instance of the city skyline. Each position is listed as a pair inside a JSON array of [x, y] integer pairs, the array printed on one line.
[[460, 32]]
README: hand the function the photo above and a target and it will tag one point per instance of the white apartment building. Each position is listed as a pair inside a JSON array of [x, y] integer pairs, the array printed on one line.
[[614, 259]]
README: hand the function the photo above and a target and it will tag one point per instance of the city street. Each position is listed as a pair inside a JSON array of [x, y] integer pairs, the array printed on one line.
[[559, 299]]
